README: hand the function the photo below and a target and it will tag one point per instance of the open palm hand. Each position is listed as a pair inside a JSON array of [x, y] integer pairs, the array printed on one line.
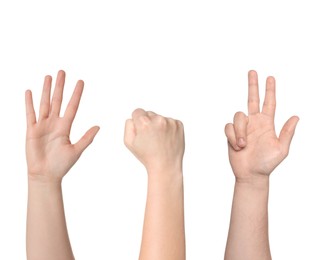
[[50, 154]]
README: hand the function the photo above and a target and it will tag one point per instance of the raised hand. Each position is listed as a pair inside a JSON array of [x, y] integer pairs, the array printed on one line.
[[254, 148], [50, 153], [254, 152], [158, 142]]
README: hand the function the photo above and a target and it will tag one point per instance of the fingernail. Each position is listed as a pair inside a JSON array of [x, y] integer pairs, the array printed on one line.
[[241, 142]]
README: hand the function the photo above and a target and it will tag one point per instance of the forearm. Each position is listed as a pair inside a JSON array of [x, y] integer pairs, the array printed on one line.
[[47, 236], [248, 232], [163, 231]]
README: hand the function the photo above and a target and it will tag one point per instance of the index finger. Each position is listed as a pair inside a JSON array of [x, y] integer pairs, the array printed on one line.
[[139, 117], [253, 93]]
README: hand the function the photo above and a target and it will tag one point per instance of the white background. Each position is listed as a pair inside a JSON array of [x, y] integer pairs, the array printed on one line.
[[184, 59]]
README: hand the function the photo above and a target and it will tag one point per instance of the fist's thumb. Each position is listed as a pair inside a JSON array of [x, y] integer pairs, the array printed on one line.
[[129, 133]]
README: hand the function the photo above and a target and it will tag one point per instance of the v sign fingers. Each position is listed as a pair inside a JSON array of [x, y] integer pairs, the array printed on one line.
[[269, 105], [253, 93]]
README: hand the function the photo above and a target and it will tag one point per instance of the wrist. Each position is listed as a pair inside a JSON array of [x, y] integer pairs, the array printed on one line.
[[48, 190], [165, 176], [165, 185], [160, 168], [259, 182], [43, 180]]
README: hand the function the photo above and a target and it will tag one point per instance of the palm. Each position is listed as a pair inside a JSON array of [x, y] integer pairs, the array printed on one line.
[[263, 150], [49, 151]]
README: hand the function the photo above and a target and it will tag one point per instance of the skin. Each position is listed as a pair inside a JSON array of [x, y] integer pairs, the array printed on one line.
[[50, 155], [158, 143], [254, 152]]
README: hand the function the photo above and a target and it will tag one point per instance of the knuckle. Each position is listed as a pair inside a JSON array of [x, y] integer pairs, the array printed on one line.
[[253, 102], [136, 112], [285, 152], [238, 115], [162, 121], [253, 99], [180, 124], [144, 120]]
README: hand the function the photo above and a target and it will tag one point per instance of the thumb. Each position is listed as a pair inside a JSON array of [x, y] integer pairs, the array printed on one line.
[[287, 133], [129, 132], [86, 139]]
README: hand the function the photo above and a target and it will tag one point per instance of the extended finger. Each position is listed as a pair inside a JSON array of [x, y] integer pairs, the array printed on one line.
[[287, 133], [253, 93], [30, 113], [74, 102], [240, 122], [58, 94], [45, 98], [269, 105], [86, 140], [231, 136]]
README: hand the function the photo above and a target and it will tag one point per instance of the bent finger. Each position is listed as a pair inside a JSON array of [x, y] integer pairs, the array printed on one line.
[[240, 122], [140, 118], [231, 136], [151, 113]]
